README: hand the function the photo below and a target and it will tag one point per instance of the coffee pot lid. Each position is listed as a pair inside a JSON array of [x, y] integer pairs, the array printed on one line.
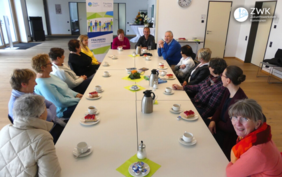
[[154, 71]]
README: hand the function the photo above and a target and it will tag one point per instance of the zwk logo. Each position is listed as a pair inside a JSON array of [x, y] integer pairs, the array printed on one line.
[[241, 14], [264, 11], [89, 4]]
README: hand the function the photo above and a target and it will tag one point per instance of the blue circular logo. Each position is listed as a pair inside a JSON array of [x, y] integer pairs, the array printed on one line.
[[89, 4], [241, 14]]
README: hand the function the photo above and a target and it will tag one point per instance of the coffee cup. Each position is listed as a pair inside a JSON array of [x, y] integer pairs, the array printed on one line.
[[144, 50], [106, 73], [98, 88], [114, 57], [163, 73], [92, 110], [147, 57], [82, 147], [187, 137], [106, 63], [176, 107], [168, 89], [120, 48]]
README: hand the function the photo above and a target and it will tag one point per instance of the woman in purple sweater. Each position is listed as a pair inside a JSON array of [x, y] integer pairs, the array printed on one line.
[[120, 41], [220, 124]]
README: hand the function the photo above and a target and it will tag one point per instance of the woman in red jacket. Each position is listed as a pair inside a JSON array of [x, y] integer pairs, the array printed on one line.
[[120, 41], [220, 124]]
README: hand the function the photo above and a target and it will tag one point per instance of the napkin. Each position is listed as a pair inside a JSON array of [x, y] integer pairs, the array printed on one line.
[[140, 88], [123, 169], [133, 80], [133, 56]]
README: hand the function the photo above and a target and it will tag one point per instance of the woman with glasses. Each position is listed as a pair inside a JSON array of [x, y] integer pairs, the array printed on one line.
[[220, 124], [254, 154], [54, 89]]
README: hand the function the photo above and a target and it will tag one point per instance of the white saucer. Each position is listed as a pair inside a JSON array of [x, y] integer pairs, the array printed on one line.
[[102, 90], [175, 112], [171, 93], [97, 113], [74, 152], [106, 76], [110, 56], [115, 58], [147, 59], [196, 117], [170, 78], [146, 166], [106, 65], [134, 89], [193, 142], [89, 123], [163, 68], [95, 98]]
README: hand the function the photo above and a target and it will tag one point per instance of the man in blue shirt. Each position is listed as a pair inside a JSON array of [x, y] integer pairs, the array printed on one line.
[[170, 49]]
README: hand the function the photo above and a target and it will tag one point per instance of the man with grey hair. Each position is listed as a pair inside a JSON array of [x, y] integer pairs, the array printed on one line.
[[26, 147], [170, 49]]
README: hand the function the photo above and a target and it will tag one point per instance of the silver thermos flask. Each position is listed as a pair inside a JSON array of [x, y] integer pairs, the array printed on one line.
[[147, 102], [138, 50], [153, 77]]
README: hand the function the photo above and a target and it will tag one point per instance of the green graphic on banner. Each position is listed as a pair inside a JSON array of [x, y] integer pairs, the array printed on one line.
[[101, 50], [91, 15]]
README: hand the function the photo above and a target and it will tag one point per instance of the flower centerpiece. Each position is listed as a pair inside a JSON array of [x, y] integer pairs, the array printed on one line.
[[141, 18], [134, 75]]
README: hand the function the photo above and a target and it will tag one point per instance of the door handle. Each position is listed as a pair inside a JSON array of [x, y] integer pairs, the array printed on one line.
[[208, 31]]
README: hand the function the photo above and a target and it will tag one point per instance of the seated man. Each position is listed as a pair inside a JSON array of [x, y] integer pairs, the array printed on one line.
[[170, 50], [208, 93], [146, 40], [76, 83]]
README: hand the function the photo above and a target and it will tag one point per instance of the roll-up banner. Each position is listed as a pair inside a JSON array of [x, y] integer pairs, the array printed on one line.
[[99, 26]]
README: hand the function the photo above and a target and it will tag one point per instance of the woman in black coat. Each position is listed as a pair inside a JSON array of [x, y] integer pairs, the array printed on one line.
[[79, 62], [201, 71]]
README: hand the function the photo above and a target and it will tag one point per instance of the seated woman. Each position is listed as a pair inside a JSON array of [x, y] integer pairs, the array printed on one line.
[[26, 147], [208, 93], [76, 83], [255, 154], [53, 88], [83, 41], [185, 63], [201, 71], [79, 62], [120, 41], [220, 124]]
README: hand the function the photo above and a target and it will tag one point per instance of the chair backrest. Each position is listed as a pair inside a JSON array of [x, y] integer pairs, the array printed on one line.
[[111, 45], [278, 53], [193, 56], [11, 120], [155, 46]]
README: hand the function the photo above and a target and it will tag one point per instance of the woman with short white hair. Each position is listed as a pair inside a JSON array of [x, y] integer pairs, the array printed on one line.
[[26, 147], [254, 154]]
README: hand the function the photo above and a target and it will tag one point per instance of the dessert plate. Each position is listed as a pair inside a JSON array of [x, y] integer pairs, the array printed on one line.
[[171, 93], [134, 89], [175, 112], [95, 98], [196, 117], [89, 123], [163, 68], [88, 152], [170, 78], [131, 172], [193, 142]]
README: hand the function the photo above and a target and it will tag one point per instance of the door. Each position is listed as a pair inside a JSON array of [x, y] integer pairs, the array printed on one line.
[[82, 18], [263, 31], [119, 17], [217, 27]]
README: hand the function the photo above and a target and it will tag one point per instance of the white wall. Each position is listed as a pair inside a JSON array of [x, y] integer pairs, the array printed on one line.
[[245, 31], [60, 23], [186, 22], [35, 8], [132, 9]]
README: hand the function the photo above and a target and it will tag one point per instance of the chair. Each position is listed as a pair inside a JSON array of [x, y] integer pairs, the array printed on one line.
[[111, 45], [155, 47], [274, 64], [11, 120]]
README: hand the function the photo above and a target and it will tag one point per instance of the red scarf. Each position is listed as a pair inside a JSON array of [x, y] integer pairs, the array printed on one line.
[[259, 136]]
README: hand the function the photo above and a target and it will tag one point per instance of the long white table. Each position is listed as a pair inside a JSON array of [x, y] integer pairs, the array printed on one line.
[[115, 138]]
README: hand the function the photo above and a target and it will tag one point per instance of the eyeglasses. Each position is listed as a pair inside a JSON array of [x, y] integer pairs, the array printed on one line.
[[242, 120], [48, 64]]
